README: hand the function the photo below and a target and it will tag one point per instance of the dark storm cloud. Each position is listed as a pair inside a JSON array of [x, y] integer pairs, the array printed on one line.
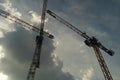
[[18, 43], [19, 47]]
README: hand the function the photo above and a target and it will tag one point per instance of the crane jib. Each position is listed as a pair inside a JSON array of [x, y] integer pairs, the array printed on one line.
[[88, 40], [83, 34], [25, 24], [43, 17]]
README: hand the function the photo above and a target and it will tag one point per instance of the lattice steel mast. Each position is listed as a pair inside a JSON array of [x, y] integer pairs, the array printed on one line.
[[36, 57], [91, 42]]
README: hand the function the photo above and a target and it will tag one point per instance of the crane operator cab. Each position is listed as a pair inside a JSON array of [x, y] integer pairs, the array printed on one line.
[[39, 40], [89, 42], [93, 41]]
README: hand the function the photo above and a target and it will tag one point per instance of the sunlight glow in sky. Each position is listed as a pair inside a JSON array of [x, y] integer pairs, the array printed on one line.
[[1, 34], [3, 76], [88, 74], [56, 42], [8, 7], [35, 17], [2, 55]]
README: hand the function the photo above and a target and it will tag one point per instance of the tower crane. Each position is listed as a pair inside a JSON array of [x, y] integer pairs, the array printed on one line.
[[91, 42], [22, 22], [39, 38]]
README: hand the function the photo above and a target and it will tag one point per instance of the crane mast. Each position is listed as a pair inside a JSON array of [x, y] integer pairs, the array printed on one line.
[[39, 39], [91, 42], [102, 63]]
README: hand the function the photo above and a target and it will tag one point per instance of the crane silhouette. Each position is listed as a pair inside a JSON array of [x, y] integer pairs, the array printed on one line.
[[91, 42], [39, 38]]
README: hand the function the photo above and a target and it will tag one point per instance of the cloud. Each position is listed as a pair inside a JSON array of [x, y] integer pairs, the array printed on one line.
[[3, 76], [72, 54], [75, 58], [4, 28], [2, 55], [35, 17], [1, 34], [88, 74], [19, 47], [89, 16], [7, 5]]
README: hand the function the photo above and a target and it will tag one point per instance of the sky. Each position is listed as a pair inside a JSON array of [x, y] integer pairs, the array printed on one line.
[[66, 57]]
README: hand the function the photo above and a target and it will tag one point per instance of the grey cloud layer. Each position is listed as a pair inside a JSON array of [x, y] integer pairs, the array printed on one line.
[[99, 15]]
